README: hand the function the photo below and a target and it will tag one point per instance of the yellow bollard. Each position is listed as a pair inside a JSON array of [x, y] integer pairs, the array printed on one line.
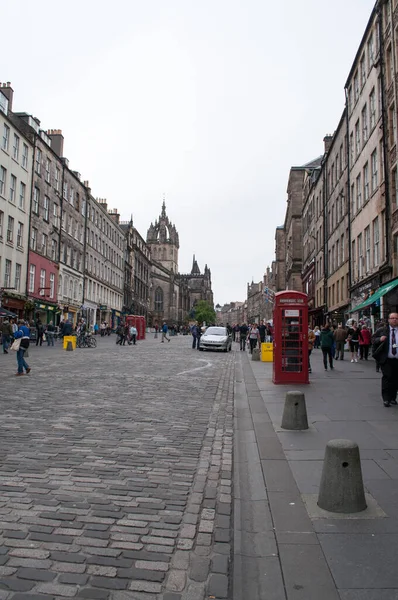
[[69, 339]]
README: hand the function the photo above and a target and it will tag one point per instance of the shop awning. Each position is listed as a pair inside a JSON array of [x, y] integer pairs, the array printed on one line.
[[6, 313], [382, 291]]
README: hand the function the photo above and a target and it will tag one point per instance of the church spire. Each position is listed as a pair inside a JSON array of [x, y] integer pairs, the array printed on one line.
[[195, 267], [164, 208]]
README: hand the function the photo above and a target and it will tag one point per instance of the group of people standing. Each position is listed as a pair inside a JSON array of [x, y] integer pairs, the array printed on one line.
[[126, 333], [332, 340]]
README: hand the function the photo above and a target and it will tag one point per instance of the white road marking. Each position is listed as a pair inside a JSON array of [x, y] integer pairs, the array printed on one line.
[[206, 366]]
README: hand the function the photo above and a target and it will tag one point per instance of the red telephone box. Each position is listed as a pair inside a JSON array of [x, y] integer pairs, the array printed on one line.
[[138, 321], [290, 337]]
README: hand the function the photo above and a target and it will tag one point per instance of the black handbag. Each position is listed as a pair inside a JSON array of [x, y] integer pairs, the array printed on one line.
[[377, 350]]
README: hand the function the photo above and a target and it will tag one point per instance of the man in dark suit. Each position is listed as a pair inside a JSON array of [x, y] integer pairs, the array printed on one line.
[[386, 341]]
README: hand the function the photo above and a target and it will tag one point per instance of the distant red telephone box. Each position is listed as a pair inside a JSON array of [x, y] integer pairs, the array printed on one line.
[[138, 322], [290, 337]]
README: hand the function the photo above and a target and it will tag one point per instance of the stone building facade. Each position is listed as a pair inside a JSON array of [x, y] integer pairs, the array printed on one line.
[[173, 295], [137, 272], [16, 159]]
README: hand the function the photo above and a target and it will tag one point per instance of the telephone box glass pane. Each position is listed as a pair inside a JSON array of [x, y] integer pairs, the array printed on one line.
[[292, 346]]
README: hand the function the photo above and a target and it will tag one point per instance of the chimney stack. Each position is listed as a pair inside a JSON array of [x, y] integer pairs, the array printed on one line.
[[114, 215], [57, 141], [327, 140], [8, 92]]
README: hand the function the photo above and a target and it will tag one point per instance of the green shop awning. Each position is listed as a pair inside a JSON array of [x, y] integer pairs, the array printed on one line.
[[382, 291]]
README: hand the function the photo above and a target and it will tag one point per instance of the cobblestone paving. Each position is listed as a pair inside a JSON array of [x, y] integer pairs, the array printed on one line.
[[115, 473]]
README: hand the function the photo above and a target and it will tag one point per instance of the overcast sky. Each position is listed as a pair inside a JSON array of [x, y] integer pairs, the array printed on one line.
[[209, 102]]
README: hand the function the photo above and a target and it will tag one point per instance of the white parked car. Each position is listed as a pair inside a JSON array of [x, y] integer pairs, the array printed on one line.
[[216, 338]]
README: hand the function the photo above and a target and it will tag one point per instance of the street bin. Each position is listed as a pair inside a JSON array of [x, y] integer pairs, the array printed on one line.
[[69, 338], [267, 352]]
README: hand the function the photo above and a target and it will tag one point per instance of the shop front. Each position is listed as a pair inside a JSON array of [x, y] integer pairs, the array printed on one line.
[[13, 303], [89, 313], [115, 318], [377, 303], [69, 312], [47, 312]]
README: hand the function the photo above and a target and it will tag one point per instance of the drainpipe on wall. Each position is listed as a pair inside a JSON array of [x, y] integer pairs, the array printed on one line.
[[348, 192], [84, 246], [384, 139], [30, 217]]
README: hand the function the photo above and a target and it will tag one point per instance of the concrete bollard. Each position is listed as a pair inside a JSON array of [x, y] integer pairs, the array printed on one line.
[[256, 354], [69, 347], [295, 412], [341, 488]]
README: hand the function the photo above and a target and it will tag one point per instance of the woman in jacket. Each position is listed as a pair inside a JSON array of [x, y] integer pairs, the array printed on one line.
[[327, 342], [353, 339], [23, 334], [365, 339], [311, 342]]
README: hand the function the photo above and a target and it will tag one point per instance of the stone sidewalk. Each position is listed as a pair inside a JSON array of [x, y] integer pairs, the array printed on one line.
[[116, 473], [280, 551]]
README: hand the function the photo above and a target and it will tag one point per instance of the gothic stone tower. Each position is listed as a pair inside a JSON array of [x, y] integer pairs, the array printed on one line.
[[162, 238]]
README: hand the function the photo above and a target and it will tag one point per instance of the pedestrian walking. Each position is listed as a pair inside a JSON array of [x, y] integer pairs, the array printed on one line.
[[263, 332], [126, 335], [156, 330], [243, 331], [6, 334], [311, 342], [23, 334], [133, 334], [340, 336], [353, 339], [385, 348], [50, 330], [119, 334], [40, 332], [195, 335], [96, 328], [317, 332], [254, 337], [165, 330], [326, 342], [365, 339]]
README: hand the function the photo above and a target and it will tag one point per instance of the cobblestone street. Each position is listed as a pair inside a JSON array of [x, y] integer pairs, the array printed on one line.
[[115, 472]]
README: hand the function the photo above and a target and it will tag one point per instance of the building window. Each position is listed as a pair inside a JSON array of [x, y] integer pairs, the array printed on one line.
[[3, 180], [48, 170], [53, 250], [376, 242], [6, 137], [42, 281], [363, 70], [366, 182], [159, 299], [44, 239], [367, 249], [20, 235], [65, 191], [365, 124], [354, 260], [22, 193], [372, 108], [374, 170], [342, 249], [357, 139], [1, 224], [13, 187], [36, 200], [38, 161], [25, 156], [371, 51], [57, 178], [360, 255], [33, 239], [356, 87], [15, 148], [359, 193], [17, 282], [72, 196], [46, 206], [32, 274], [7, 274], [55, 215], [52, 285], [10, 230]]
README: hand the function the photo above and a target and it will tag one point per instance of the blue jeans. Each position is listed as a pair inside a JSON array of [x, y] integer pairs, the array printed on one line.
[[6, 342], [50, 339], [22, 364]]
